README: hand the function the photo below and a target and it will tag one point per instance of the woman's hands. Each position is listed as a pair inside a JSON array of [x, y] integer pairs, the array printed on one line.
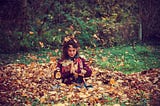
[[73, 68]]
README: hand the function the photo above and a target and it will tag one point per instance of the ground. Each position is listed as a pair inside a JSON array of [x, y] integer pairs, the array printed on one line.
[[34, 84]]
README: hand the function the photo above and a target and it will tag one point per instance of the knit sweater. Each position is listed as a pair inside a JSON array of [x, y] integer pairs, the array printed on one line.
[[72, 69]]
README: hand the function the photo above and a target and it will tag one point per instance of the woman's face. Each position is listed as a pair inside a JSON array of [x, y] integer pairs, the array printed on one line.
[[72, 51]]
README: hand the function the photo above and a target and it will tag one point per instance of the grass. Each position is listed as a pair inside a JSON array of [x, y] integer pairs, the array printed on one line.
[[123, 58], [126, 58]]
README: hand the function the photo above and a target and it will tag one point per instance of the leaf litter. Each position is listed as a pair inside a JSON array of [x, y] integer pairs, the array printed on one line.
[[22, 84]]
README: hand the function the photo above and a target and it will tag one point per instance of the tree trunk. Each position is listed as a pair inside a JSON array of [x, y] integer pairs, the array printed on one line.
[[140, 31]]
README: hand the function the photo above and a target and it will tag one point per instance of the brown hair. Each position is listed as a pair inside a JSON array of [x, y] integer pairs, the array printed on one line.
[[66, 44]]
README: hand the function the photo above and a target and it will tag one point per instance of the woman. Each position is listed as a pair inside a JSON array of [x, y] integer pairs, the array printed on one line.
[[73, 68]]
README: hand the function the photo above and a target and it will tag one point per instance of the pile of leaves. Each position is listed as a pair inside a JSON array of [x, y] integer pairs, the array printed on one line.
[[34, 84]]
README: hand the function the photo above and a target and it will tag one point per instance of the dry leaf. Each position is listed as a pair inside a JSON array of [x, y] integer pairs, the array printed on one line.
[[34, 81], [43, 99], [112, 81], [59, 104], [53, 59], [41, 44], [31, 33], [57, 75], [104, 59], [116, 105]]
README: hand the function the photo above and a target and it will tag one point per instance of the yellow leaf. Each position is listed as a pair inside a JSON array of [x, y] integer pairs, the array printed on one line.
[[43, 99], [121, 64], [66, 32], [48, 105], [32, 65], [111, 89], [53, 66], [59, 30], [116, 105], [24, 94], [53, 92], [112, 81], [62, 84], [104, 59], [53, 59], [59, 104], [93, 99], [41, 44], [58, 75], [82, 95], [31, 33], [96, 37]]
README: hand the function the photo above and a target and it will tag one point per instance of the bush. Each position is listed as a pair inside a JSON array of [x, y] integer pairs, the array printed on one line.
[[98, 23]]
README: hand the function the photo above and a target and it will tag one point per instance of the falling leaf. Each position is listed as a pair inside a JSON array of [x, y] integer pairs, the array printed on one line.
[[96, 37], [66, 32], [59, 30], [31, 33], [41, 44], [56, 50], [71, 27]]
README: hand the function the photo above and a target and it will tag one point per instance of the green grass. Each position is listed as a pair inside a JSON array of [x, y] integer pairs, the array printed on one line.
[[120, 58], [126, 58], [43, 56]]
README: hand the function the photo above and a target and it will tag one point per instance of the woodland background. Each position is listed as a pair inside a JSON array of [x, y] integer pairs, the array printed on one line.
[[32, 24]]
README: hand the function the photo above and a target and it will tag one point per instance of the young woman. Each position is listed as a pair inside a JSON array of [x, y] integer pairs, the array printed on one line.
[[73, 68]]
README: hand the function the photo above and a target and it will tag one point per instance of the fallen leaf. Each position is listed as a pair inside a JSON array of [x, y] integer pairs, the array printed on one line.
[[112, 81], [59, 104]]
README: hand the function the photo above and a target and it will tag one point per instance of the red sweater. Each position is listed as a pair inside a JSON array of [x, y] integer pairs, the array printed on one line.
[[80, 67]]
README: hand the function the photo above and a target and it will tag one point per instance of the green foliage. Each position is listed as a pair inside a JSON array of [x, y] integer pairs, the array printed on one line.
[[99, 23], [125, 58]]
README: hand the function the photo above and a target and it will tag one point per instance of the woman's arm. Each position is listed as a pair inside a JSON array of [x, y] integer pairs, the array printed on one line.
[[86, 67], [65, 70]]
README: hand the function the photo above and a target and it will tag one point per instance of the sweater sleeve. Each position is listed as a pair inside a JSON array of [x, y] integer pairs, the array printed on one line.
[[63, 74], [87, 68]]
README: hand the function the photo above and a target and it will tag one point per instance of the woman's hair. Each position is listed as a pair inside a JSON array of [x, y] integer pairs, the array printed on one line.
[[69, 41]]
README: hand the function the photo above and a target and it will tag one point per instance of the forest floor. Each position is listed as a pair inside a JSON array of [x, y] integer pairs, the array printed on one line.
[[27, 79], [34, 85]]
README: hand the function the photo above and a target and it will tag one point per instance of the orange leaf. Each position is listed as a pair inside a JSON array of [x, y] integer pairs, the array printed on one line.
[[42, 99], [33, 64], [32, 57], [112, 81], [53, 59], [58, 75]]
